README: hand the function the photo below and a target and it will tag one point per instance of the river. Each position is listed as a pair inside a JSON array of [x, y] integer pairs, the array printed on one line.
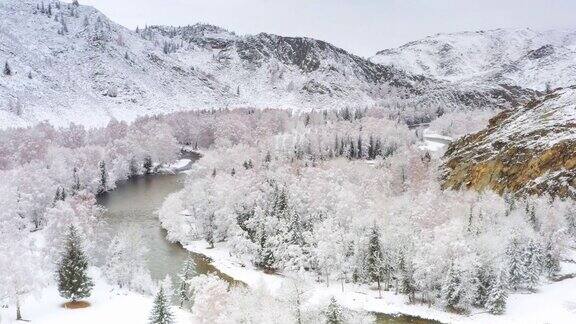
[[134, 204]]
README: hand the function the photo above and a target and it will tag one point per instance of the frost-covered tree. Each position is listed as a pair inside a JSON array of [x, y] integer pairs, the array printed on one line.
[[375, 257], [7, 69], [125, 262], [210, 296], [18, 278], [161, 313], [147, 165], [333, 313], [184, 276], [103, 177], [497, 294], [73, 280]]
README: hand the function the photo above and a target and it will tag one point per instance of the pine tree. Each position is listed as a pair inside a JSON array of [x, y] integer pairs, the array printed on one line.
[[516, 264], [532, 264], [209, 230], [75, 180], [497, 295], [188, 271], [7, 69], [451, 292], [133, 168], [550, 262], [147, 165], [484, 279], [60, 194], [375, 259], [360, 151], [333, 313], [161, 313], [73, 281], [103, 177], [371, 154]]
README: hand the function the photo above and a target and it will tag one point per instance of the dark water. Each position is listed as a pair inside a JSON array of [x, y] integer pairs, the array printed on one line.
[[133, 205], [402, 319]]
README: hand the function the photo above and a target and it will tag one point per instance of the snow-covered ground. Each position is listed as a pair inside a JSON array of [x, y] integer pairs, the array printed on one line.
[[108, 304], [553, 303], [435, 142]]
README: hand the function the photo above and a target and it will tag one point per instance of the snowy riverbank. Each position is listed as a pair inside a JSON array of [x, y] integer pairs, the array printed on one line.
[[108, 304], [554, 302]]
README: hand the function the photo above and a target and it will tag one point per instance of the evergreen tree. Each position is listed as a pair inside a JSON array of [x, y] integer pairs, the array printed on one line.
[[452, 293], [188, 271], [516, 264], [133, 168], [147, 165], [484, 280], [406, 277], [75, 180], [371, 155], [209, 230], [360, 151], [161, 313], [375, 259], [60, 194], [531, 214], [532, 264], [550, 262], [103, 177], [7, 69], [333, 313], [497, 295], [73, 281]]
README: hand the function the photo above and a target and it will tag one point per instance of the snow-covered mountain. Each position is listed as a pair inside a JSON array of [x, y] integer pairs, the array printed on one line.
[[520, 57], [71, 63], [531, 149]]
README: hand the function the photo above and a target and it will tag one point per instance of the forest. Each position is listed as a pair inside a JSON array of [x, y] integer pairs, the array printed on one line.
[[331, 197]]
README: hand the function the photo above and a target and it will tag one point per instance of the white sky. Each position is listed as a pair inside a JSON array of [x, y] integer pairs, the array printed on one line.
[[362, 27]]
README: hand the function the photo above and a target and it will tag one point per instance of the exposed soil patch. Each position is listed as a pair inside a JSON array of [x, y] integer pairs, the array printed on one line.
[[76, 304]]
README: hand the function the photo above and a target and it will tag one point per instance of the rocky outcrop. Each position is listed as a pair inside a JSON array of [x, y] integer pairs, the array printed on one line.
[[528, 150]]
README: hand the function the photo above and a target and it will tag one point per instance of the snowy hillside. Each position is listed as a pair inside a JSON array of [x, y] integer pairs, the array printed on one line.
[[531, 149], [71, 63], [520, 57]]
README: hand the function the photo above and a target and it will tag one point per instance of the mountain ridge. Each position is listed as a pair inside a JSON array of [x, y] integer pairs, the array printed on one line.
[[86, 69]]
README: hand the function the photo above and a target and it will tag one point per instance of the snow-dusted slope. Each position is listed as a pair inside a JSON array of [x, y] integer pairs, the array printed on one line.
[[70, 63], [520, 57], [530, 149]]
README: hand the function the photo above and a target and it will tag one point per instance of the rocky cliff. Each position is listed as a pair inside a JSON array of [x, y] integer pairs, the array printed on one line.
[[528, 150]]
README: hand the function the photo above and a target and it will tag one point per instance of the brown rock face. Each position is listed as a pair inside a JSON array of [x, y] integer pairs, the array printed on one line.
[[528, 150]]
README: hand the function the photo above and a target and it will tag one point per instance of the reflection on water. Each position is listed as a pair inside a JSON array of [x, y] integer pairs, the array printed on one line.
[[134, 205]]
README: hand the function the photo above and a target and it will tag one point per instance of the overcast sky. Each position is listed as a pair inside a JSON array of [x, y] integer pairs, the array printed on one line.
[[360, 26]]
